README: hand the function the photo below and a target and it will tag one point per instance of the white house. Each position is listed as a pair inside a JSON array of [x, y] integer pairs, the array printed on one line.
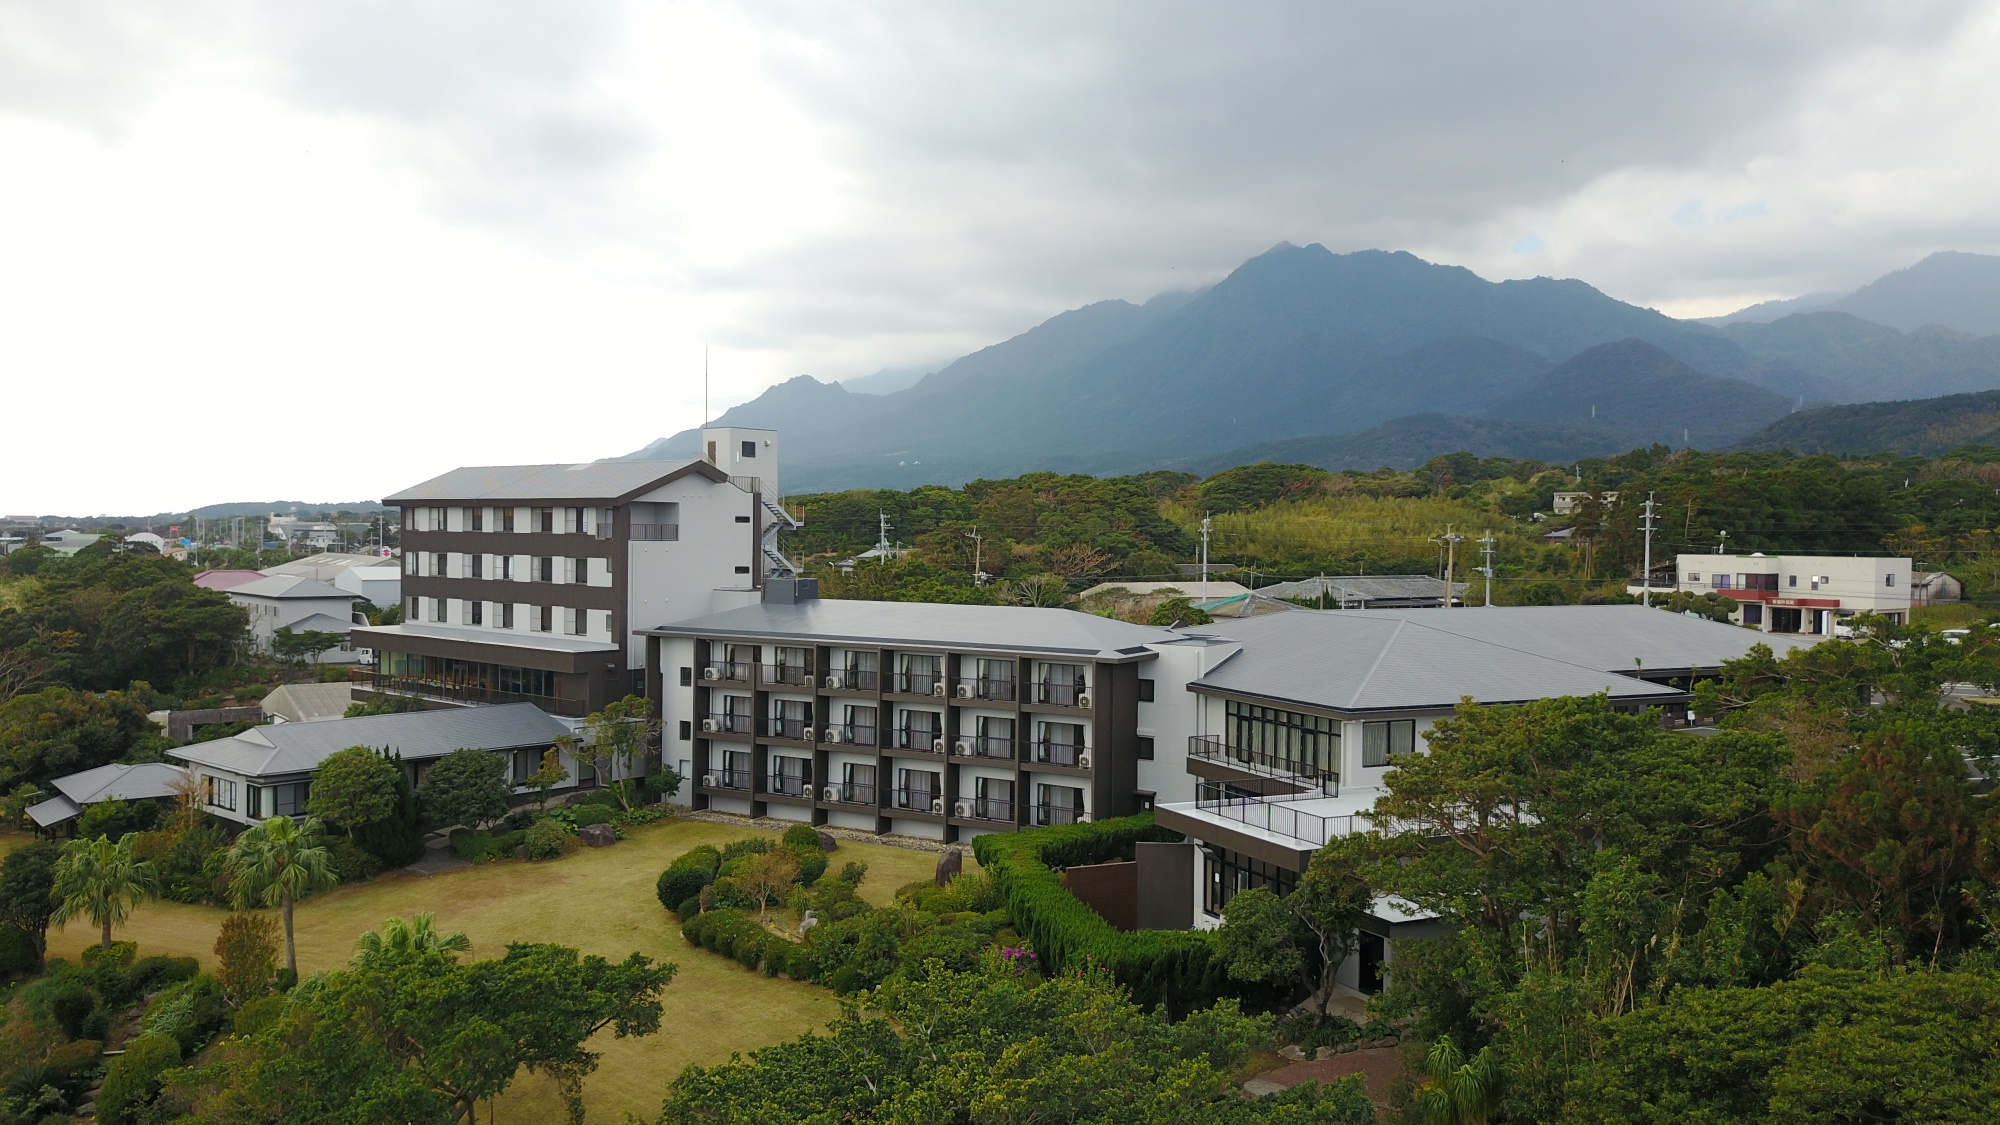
[[1801, 593], [299, 604]]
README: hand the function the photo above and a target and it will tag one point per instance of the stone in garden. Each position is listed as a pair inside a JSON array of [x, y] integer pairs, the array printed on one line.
[[597, 835], [808, 922], [826, 842], [1325, 1053], [521, 851], [950, 864], [1293, 1052]]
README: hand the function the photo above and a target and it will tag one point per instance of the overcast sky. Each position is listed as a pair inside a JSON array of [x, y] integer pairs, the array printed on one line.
[[318, 251]]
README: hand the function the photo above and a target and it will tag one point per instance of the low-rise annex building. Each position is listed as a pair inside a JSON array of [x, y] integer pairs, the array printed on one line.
[[1810, 594]]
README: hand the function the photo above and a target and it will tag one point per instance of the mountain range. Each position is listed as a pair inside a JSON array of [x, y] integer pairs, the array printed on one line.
[[1380, 358]]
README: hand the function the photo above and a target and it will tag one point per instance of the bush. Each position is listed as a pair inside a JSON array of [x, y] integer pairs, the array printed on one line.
[[68, 1064], [190, 1012], [800, 836], [17, 950], [352, 864], [259, 1014], [752, 845], [812, 865], [132, 1080], [1173, 968], [583, 816], [547, 839], [117, 818], [852, 873], [70, 1006], [286, 980], [689, 907], [150, 973], [97, 1025], [687, 875], [734, 933]]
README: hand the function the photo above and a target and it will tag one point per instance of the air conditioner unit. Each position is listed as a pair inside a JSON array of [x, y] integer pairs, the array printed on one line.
[[833, 681], [961, 809], [965, 691], [937, 745], [711, 673], [710, 726], [708, 780], [829, 794], [1083, 699], [937, 689], [833, 735], [937, 806], [805, 734], [963, 747], [1083, 761]]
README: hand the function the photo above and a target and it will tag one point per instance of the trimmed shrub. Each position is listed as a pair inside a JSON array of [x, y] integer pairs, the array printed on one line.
[[149, 973], [547, 839], [734, 933], [286, 980], [67, 1065], [259, 1014], [17, 950], [800, 836], [69, 1005], [687, 875], [689, 907], [190, 1012], [352, 863], [812, 865], [752, 845], [133, 1079], [586, 815], [1176, 969], [852, 873]]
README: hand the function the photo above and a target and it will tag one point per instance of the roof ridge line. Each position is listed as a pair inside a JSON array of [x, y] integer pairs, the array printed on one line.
[[1383, 654], [1528, 653]]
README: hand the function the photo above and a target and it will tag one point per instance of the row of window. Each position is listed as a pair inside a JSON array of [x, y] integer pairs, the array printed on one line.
[[567, 520], [260, 801], [916, 789], [503, 568], [571, 620], [1770, 581]]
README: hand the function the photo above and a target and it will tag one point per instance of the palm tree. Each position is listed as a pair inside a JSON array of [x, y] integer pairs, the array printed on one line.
[[400, 940], [279, 862], [1458, 1091], [102, 881]]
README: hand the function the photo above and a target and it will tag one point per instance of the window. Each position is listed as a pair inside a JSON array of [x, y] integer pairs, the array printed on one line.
[[478, 565], [545, 569], [527, 763], [436, 519], [439, 607], [506, 519], [1791, 580], [1226, 874], [1145, 691], [548, 619], [545, 520], [1721, 581], [1058, 804], [222, 793], [1753, 614], [1888, 580], [570, 619], [503, 567], [1145, 748], [742, 519], [742, 570], [478, 612], [1288, 740], [687, 677], [475, 519], [1694, 576], [412, 612], [582, 577], [290, 800], [749, 449], [611, 630], [573, 521], [687, 730], [440, 564], [1382, 741], [410, 562]]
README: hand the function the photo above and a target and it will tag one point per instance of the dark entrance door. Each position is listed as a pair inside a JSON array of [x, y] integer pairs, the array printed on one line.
[[1784, 620], [1373, 950]]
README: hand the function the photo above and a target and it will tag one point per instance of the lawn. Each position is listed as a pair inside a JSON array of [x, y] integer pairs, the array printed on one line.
[[600, 901]]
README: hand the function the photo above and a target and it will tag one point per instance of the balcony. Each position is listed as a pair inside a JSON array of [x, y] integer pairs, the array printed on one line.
[[995, 749], [922, 801], [1066, 754], [783, 676], [984, 688], [849, 735], [728, 779], [917, 683], [912, 738], [800, 787], [852, 679], [1059, 694], [428, 688], [1275, 815], [850, 793], [1211, 748], [728, 672], [652, 533], [983, 808], [797, 730], [1046, 815], [741, 725]]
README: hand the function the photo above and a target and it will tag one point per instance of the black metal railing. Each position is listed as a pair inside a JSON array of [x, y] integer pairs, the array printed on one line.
[[917, 800], [850, 734], [915, 683], [1046, 815], [987, 808], [1059, 694], [1213, 748], [1066, 754], [728, 671], [785, 675], [731, 779], [986, 746], [787, 786], [653, 533], [1273, 815], [851, 679], [851, 793], [915, 738], [985, 688], [798, 730], [451, 692], [730, 724]]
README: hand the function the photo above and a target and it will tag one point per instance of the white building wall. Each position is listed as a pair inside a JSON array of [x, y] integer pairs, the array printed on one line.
[[706, 571]]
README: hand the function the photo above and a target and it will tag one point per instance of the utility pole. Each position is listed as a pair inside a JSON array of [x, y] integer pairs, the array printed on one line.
[[1204, 556], [882, 540], [1721, 543], [1646, 590], [1486, 545], [1451, 542], [976, 538]]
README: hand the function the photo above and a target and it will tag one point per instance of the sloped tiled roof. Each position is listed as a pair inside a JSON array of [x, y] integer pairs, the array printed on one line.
[[288, 586], [930, 625], [118, 782], [290, 748], [595, 480]]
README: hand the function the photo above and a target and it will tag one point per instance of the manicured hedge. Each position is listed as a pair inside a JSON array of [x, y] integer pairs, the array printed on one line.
[[1175, 968], [735, 933]]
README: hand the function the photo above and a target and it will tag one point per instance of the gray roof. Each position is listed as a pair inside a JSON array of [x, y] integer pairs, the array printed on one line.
[[326, 564], [1615, 638], [291, 748], [368, 635], [320, 623], [53, 811], [289, 586], [1002, 628], [117, 782], [1357, 660], [595, 480], [308, 703], [1364, 587]]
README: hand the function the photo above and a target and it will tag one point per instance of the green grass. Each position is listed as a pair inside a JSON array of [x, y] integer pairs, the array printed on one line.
[[598, 900], [1951, 615], [1342, 526]]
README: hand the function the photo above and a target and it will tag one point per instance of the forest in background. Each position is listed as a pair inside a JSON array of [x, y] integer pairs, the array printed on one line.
[[1040, 538]]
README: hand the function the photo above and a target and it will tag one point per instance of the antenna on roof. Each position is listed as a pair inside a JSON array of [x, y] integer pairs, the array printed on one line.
[[704, 385]]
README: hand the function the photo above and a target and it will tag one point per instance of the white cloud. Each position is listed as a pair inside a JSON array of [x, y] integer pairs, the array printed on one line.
[[319, 251]]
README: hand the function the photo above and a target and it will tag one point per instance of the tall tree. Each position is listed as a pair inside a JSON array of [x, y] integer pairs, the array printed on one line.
[[277, 863], [102, 881], [27, 883], [1301, 939], [246, 953], [354, 788], [467, 787], [620, 737]]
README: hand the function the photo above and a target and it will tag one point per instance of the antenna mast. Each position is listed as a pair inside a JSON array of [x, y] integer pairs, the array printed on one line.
[[1646, 589], [1204, 556]]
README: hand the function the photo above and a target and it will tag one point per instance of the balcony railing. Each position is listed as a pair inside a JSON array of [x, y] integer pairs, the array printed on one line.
[[1213, 748], [653, 533], [785, 675], [986, 808], [734, 672], [850, 735], [917, 800], [1046, 815], [916, 683], [783, 786], [731, 779], [447, 691], [1275, 816], [851, 679], [915, 738], [985, 688], [798, 730], [1060, 694], [984, 746], [1066, 754], [729, 724], [851, 793]]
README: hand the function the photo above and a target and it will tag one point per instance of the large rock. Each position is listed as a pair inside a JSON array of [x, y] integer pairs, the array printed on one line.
[[950, 864], [827, 843], [597, 835]]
